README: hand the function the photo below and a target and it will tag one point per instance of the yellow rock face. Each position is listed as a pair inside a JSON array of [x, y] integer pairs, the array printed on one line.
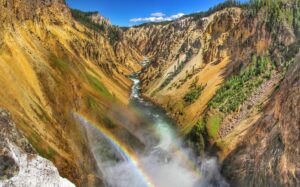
[[50, 66]]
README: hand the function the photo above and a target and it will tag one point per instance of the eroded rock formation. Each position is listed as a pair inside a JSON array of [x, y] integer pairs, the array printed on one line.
[[19, 163]]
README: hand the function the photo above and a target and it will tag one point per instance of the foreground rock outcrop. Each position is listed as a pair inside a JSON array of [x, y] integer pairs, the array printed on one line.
[[20, 165]]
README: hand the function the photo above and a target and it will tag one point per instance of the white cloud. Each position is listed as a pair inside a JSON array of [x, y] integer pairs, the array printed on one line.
[[177, 16], [158, 14], [157, 17]]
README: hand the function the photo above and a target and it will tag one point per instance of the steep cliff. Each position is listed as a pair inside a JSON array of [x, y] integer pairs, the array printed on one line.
[[52, 66], [268, 154]]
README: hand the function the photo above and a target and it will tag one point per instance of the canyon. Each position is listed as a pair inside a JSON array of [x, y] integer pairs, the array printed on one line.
[[226, 81]]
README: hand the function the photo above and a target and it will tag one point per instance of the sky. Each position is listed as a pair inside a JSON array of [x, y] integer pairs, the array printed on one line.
[[134, 12]]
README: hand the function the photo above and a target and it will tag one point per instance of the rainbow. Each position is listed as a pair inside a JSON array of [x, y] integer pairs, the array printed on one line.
[[126, 153]]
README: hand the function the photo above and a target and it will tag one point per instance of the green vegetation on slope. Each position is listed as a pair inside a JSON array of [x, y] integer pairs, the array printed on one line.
[[221, 6], [192, 95], [277, 13], [196, 139], [238, 88], [296, 19], [153, 23], [213, 125], [45, 151], [113, 32], [60, 64], [84, 18], [99, 86], [232, 94]]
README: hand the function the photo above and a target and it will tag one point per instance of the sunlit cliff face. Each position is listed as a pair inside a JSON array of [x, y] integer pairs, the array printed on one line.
[[51, 65]]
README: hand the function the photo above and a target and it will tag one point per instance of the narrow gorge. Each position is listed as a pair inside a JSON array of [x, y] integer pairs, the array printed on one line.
[[209, 99]]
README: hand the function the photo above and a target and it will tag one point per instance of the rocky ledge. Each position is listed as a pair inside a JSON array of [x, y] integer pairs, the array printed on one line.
[[19, 163]]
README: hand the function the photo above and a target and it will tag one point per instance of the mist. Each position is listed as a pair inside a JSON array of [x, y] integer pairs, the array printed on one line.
[[167, 163]]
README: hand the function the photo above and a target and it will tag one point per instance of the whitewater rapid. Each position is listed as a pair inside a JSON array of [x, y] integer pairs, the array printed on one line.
[[165, 162]]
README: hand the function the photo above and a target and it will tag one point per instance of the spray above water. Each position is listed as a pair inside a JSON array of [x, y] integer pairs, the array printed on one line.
[[128, 155], [165, 164], [137, 170]]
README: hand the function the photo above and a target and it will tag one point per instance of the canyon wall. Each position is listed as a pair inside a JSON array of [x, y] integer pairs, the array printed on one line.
[[199, 52], [52, 66], [218, 76]]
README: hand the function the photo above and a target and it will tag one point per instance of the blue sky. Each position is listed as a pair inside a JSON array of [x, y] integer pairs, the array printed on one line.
[[133, 12]]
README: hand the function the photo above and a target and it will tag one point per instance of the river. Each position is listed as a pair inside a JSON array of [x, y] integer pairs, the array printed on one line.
[[164, 163]]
